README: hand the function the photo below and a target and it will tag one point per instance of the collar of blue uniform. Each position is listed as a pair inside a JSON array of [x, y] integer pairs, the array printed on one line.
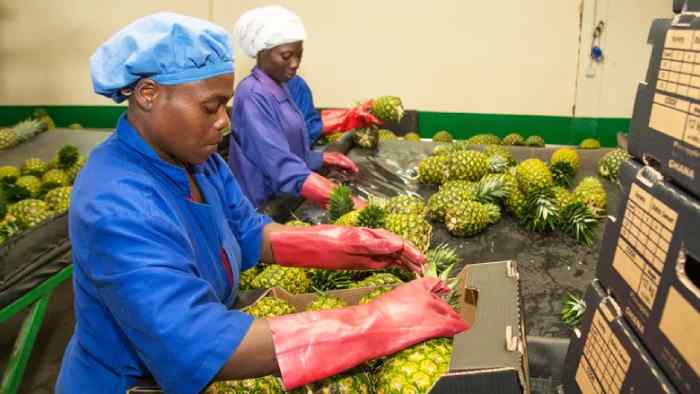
[[132, 139], [280, 92]]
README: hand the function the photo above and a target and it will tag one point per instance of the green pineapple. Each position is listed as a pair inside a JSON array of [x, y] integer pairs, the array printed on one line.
[[433, 169], [294, 280], [500, 150], [34, 166], [356, 381], [386, 135], [515, 199], [331, 279], [67, 156], [30, 183], [535, 140], [349, 219], [440, 201], [367, 138], [380, 279], [415, 369], [513, 139], [324, 302], [8, 228], [466, 218], [484, 139], [372, 216], [494, 212], [30, 212], [58, 199], [589, 143], [572, 311], [405, 204], [9, 174], [340, 202], [442, 136], [21, 132], [564, 163], [412, 136], [56, 177], [579, 220], [609, 164], [467, 165], [387, 108], [591, 192], [533, 176], [412, 228]]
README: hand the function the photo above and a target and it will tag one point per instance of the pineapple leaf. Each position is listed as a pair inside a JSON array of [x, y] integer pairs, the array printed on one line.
[[490, 190], [340, 202], [68, 156], [15, 193], [573, 309], [579, 220], [372, 216], [563, 174], [540, 212]]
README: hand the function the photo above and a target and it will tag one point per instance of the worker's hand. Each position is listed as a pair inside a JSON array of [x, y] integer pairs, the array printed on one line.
[[339, 120], [314, 345], [317, 189], [339, 160], [343, 248]]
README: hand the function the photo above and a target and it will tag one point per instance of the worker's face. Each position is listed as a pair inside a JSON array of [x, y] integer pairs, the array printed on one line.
[[281, 62], [187, 120]]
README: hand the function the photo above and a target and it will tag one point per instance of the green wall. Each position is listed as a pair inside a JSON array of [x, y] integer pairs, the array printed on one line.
[[554, 129]]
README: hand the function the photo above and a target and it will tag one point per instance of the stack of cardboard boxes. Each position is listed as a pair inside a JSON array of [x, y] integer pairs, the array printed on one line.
[[641, 331]]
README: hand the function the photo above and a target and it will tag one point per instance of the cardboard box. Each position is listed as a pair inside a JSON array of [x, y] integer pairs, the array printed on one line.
[[489, 358], [649, 260], [606, 357], [665, 127]]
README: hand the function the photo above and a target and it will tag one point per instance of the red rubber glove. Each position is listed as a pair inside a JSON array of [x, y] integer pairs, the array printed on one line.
[[339, 160], [339, 120], [343, 247], [314, 345], [318, 189]]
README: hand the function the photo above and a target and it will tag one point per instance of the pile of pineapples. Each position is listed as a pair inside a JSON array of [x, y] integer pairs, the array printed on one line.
[[25, 130], [36, 191]]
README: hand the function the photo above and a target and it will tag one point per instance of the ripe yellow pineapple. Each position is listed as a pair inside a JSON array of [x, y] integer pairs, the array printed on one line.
[[533, 176], [467, 165], [412, 228], [591, 192], [433, 169], [294, 280]]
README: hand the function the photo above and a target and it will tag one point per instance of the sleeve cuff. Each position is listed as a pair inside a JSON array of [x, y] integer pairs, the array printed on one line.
[[315, 160]]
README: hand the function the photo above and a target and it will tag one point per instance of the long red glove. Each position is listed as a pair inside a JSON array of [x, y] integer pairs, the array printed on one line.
[[339, 160], [343, 247], [318, 189], [339, 120], [314, 345]]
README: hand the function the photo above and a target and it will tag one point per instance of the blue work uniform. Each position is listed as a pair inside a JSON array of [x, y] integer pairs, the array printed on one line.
[[304, 99], [155, 272], [269, 153]]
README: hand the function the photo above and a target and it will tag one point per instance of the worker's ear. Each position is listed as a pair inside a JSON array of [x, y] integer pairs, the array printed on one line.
[[145, 93]]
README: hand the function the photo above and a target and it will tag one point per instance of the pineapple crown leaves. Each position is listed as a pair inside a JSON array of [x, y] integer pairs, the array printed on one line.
[[443, 257], [563, 174], [497, 163], [15, 193], [579, 220], [490, 190], [573, 309], [372, 216], [540, 212], [340, 202], [68, 156], [47, 187]]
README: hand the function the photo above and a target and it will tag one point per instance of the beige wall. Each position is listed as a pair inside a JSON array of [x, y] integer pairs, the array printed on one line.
[[454, 56]]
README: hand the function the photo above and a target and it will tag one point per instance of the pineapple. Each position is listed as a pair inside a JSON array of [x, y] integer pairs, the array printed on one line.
[[8, 139], [466, 218], [381, 279], [294, 280], [56, 177], [515, 199], [540, 212], [30, 212], [366, 138], [405, 204], [29, 183], [573, 310], [591, 192], [75, 126], [440, 201], [269, 306], [412, 228], [331, 279], [34, 166], [387, 108], [443, 150], [324, 302], [562, 197], [73, 170], [349, 219], [564, 164], [58, 199], [457, 185], [442, 136], [297, 223], [356, 381], [9, 174], [467, 165], [609, 165], [247, 278], [265, 385], [21, 132], [494, 212], [386, 135], [579, 220], [340, 202], [536, 141], [8, 228], [334, 137], [443, 257], [533, 176], [490, 189], [372, 216], [484, 139], [513, 139], [412, 136], [500, 150], [589, 143], [433, 169]]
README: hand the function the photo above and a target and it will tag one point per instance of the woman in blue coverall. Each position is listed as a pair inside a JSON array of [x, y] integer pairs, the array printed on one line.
[[304, 99], [161, 232], [270, 151]]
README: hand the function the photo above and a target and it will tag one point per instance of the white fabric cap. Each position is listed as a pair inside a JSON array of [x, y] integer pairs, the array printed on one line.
[[267, 27]]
